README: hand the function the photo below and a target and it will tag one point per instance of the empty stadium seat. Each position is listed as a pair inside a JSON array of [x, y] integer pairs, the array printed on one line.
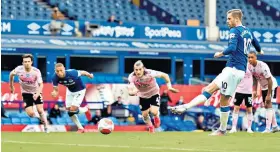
[[194, 9], [16, 121], [6, 121], [273, 3], [23, 115], [24, 9], [101, 10], [35, 120], [61, 121], [14, 115], [82, 118], [53, 121], [25, 121]]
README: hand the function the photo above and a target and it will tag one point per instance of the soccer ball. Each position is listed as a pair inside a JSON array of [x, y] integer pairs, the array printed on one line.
[[105, 126]]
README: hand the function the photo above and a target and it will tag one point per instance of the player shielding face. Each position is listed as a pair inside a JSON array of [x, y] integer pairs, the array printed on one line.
[[261, 74], [31, 84], [240, 40], [75, 91], [143, 83]]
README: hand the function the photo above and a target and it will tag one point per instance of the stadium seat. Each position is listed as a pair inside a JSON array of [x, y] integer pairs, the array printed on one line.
[[53, 121], [23, 115], [69, 121], [14, 115], [82, 118], [25, 121], [102, 9], [61, 121], [35, 120], [115, 120], [16, 121], [6, 121]]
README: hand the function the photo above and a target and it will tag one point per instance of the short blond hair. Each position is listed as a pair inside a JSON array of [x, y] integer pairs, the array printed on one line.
[[236, 13], [59, 65], [139, 63]]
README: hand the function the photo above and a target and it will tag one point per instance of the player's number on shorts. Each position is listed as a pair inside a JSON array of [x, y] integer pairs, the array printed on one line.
[[224, 85], [250, 100], [158, 100], [247, 44]]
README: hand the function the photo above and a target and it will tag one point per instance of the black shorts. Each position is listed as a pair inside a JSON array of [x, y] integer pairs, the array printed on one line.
[[273, 96], [239, 97], [28, 99], [146, 103]]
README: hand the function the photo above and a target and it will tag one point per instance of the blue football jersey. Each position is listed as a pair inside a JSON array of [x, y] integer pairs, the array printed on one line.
[[71, 80], [240, 40]]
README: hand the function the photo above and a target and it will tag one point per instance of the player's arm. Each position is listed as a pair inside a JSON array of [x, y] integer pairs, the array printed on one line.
[[54, 93], [11, 80], [267, 74], [270, 83], [167, 80], [232, 45], [255, 87], [132, 90], [256, 44], [85, 73], [40, 83]]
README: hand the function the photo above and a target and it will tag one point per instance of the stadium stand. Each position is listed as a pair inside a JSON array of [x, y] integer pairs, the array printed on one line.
[[193, 9], [252, 17], [24, 9], [273, 3], [183, 9], [103, 9]]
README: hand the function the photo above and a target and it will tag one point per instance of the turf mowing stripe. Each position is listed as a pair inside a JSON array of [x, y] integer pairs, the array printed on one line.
[[110, 146]]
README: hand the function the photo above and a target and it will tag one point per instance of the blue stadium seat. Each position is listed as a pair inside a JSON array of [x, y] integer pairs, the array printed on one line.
[[23, 115], [54, 121], [13, 115], [6, 121], [35, 120], [115, 120], [82, 118], [68, 120], [61, 121], [16, 121], [25, 121]]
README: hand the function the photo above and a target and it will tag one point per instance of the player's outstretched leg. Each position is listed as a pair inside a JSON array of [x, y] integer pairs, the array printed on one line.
[[147, 120], [223, 116], [210, 89], [73, 111], [234, 119], [43, 117], [155, 112]]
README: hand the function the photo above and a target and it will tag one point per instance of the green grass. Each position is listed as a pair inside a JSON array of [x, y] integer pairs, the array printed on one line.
[[139, 142]]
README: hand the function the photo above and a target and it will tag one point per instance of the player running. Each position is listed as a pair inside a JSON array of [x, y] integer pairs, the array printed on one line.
[[240, 39], [148, 91], [243, 93], [75, 91], [261, 73], [31, 84]]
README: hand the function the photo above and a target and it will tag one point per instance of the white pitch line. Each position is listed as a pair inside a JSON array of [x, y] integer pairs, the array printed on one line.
[[110, 146]]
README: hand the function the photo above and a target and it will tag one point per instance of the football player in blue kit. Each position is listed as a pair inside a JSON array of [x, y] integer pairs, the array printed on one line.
[[75, 92], [240, 40]]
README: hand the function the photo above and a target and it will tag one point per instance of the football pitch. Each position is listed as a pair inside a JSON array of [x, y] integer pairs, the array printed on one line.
[[139, 142]]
